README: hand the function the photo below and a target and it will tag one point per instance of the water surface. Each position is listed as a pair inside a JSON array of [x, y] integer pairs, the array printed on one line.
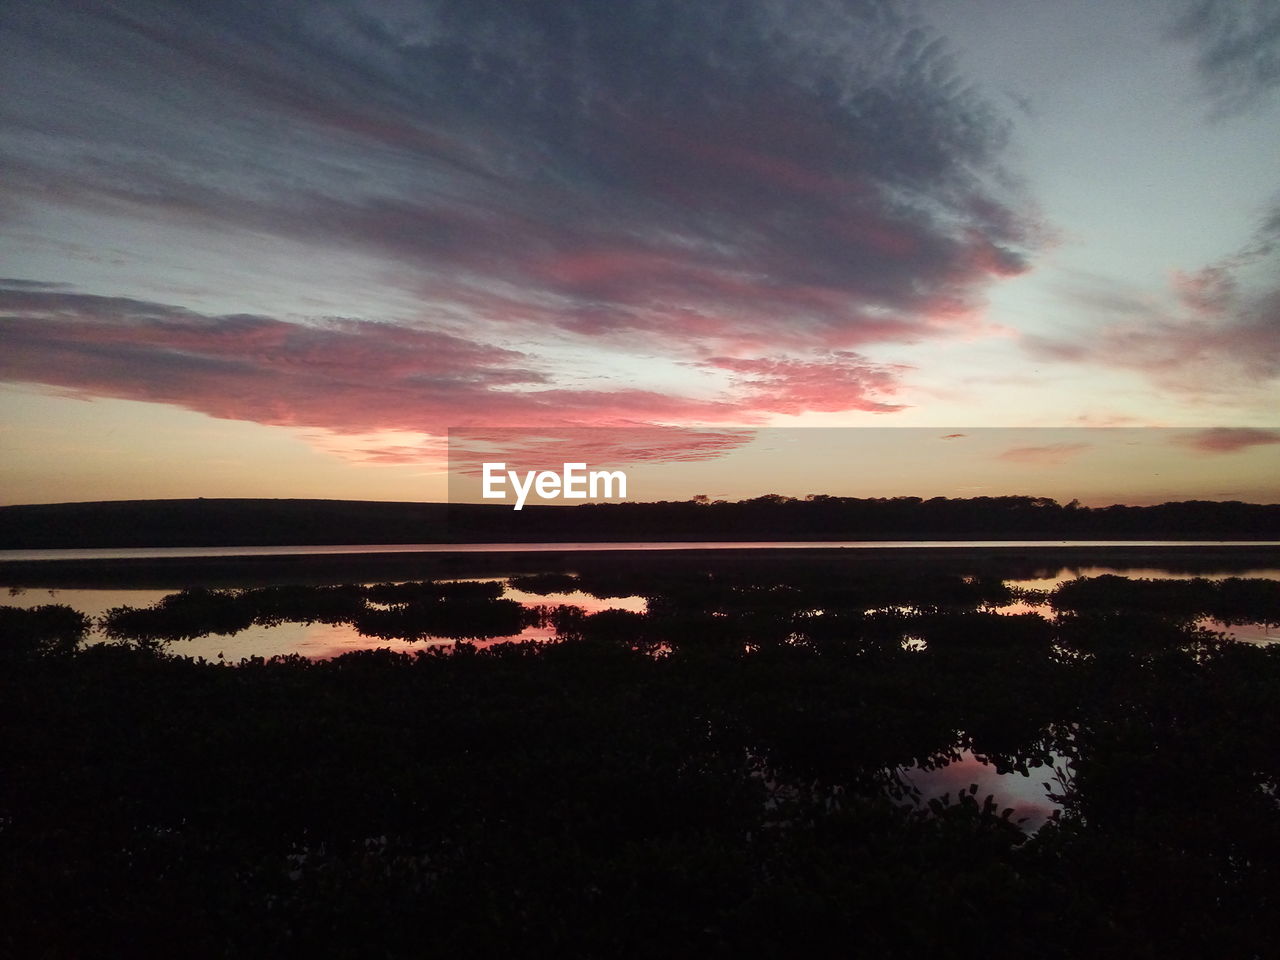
[[145, 553]]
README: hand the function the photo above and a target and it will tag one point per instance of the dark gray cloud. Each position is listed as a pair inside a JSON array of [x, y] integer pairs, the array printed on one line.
[[1238, 48], [710, 176], [12, 283]]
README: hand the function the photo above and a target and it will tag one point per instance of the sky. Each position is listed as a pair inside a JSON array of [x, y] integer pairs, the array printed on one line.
[[283, 249]]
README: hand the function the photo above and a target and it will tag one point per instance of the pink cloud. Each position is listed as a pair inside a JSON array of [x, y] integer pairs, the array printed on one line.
[[1108, 420], [1050, 455], [839, 381], [357, 377], [535, 448], [692, 185], [757, 233], [1213, 335], [1228, 439]]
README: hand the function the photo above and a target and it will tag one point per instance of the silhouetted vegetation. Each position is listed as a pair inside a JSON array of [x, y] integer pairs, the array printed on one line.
[[52, 629], [729, 773], [181, 616], [303, 604], [457, 619], [143, 523], [407, 611], [1232, 600]]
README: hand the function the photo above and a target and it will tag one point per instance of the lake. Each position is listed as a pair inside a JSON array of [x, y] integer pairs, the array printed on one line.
[[551, 590], [330, 639], [144, 553]]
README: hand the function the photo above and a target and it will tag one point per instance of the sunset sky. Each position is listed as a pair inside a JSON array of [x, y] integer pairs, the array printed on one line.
[[280, 249]]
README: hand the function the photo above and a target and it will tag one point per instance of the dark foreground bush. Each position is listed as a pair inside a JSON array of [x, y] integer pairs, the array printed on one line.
[[588, 799], [49, 630]]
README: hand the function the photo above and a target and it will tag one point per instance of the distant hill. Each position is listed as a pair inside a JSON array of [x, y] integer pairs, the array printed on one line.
[[227, 522]]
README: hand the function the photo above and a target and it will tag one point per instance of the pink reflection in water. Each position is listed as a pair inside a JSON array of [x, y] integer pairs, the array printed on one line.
[[576, 598], [1259, 633], [320, 641], [1066, 573], [1027, 795], [92, 603], [314, 640]]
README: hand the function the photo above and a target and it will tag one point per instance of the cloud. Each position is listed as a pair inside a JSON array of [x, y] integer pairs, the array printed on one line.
[[1182, 352], [11, 283], [1215, 333], [1228, 439], [339, 373], [839, 381], [1238, 49], [1107, 419], [541, 448], [366, 381], [1050, 455], [722, 177]]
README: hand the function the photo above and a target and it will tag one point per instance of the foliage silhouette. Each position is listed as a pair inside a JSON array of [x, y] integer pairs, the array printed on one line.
[[729, 772], [231, 522], [48, 630]]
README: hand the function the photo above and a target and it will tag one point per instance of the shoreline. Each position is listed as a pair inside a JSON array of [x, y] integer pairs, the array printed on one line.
[[213, 571]]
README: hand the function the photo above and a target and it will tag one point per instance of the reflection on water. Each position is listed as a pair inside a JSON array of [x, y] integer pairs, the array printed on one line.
[[1065, 573], [315, 640], [1028, 794], [1257, 632], [585, 602], [790, 749], [318, 640], [321, 641], [356, 549], [1261, 633], [92, 603], [540, 595], [938, 627]]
